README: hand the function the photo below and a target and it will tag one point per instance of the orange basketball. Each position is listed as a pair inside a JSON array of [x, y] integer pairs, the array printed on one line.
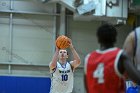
[[62, 42]]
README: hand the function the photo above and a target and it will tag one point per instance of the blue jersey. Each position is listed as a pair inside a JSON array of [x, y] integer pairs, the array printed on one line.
[[133, 89]]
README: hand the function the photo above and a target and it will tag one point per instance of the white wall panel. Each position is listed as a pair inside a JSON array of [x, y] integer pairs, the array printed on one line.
[[34, 41], [4, 36], [26, 6], [32, 44]]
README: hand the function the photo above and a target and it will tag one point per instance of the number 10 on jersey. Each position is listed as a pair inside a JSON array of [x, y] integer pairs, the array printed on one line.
[[64, 77]]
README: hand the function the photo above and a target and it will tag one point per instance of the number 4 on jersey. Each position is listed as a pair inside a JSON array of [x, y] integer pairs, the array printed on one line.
[[99, 73]]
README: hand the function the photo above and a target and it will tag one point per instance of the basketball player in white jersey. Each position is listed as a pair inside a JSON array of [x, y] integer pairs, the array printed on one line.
[[62, 70], [132, 46]]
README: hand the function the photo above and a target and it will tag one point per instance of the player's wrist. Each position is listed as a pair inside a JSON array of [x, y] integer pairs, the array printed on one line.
[[71, 47]]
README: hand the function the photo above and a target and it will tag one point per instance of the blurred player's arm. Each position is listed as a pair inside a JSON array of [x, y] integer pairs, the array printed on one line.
[[129, 44], [125, 66], [53, 63]]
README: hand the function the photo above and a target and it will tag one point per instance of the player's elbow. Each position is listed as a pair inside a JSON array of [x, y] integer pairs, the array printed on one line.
[[79, 61], [52, 65]]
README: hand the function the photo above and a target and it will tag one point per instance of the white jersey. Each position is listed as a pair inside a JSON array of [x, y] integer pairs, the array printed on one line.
[[137, 56], [62, 79]]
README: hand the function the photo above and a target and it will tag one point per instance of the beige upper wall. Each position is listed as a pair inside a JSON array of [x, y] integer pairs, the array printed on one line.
[[83, 34], [123, 31]]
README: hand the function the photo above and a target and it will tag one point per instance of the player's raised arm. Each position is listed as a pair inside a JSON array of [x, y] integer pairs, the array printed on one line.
[[53, 63], [76, 62]]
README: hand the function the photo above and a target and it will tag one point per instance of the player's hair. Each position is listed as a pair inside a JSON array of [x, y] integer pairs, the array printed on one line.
[[106, 34]]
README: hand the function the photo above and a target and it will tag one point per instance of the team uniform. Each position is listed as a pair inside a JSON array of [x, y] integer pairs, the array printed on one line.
[[62, 79], [102, 75], [137, 47], [133, 89], [128, 84], [136, 58]]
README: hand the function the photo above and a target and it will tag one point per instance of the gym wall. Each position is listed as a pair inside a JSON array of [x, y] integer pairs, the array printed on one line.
[[28, 34]]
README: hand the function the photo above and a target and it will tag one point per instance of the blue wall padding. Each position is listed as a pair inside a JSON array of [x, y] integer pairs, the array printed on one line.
[[16, 84]]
